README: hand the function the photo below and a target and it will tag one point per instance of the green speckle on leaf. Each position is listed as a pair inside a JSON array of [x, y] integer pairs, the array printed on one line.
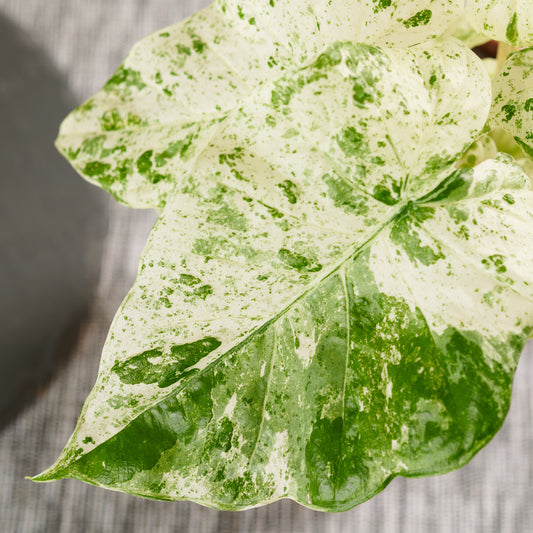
[[271, 121], [221, 438], [290, 133], [289, 190], [406, 233], [145, 168], [183, 49], [421, 18], [152, 366], [228, 217], [496, 261], [328, 59], [189, 280], [351, 142], [111, 120], [436, 163], [181, 148], [231, 158], [298, 261], [511, 32], [127, 77], [93, 146], [381, 5], [362, 94], [203, 292], [509, 198], [134, 120], [145, 163], [510, 112], [281, 96], [198, 45], [344, 196], [389, 196], [96, 169]]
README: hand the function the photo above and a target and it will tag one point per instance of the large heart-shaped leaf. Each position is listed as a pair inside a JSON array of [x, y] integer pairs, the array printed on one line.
[[325, 302], [144, 130], [513, 99], [503, 20]]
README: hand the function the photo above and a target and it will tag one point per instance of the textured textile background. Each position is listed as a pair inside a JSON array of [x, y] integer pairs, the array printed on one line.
[[86, 40]]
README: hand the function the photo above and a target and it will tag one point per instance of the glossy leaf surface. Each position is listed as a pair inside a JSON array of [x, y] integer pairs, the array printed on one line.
[[325, 302]]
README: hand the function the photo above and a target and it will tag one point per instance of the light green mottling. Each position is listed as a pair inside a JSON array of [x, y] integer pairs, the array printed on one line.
[[317, 313], [513, 103], [176, 86]]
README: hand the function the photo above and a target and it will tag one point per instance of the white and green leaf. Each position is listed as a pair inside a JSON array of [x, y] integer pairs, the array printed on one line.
[[145, 129], [503, 20], [325, 302], [513, 99]]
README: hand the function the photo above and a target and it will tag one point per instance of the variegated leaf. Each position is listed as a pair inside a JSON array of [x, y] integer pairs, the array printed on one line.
[[513, 99], [325, 303], [144, 130], [503, 20]]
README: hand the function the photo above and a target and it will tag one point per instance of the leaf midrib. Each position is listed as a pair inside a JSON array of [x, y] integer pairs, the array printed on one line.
[[352, 251]]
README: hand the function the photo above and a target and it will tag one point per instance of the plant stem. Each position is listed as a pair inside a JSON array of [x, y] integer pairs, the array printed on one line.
[[504, 49]]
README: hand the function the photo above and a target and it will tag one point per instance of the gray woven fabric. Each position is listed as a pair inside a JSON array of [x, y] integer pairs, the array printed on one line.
[[86, 40]]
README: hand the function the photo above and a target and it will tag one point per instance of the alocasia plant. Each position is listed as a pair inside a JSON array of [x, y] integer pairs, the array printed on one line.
[[326, 301]]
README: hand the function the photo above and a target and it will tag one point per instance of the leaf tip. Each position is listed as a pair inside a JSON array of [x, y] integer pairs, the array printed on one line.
[[50, 474]]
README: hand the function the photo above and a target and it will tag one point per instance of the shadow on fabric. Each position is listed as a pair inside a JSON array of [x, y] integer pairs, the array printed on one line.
[[52, 226]]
